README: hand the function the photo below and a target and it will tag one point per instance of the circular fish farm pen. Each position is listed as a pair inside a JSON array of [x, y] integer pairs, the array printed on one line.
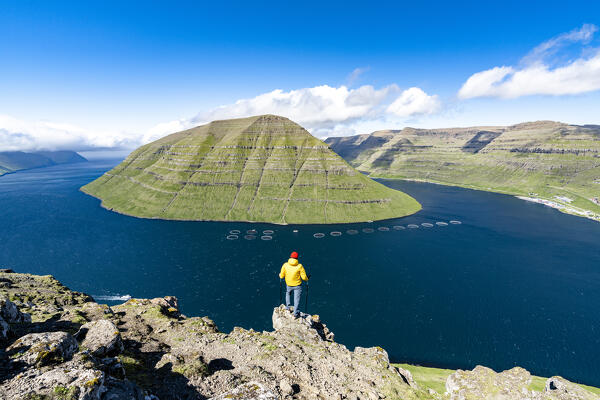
[[251, 231], [454, 222], [399, 227], [412, 226], [232, 237], [368, 230], [234, 232], [249, 237], [336, 233], [319, 235], [266, 237], [383, 229], [268, 232], [427, 225], [352, 232], [441, 223]]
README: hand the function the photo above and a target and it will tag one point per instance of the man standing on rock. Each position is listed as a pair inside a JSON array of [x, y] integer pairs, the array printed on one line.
[[294, 274]]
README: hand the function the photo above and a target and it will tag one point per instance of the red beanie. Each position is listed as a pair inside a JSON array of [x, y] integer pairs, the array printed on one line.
[[294, 255]]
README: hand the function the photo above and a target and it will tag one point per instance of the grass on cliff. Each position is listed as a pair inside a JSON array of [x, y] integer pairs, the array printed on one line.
[[546, 158], [435, 378], [263, 169]]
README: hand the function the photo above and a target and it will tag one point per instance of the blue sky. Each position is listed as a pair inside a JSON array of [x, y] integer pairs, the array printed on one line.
[[108, 74]]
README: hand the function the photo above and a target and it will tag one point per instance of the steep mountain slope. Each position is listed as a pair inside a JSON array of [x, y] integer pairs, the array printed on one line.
[[11, 161], [265, 168], [544, 160]]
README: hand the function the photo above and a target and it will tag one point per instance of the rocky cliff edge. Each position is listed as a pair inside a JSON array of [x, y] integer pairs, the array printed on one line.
[[60, 344]]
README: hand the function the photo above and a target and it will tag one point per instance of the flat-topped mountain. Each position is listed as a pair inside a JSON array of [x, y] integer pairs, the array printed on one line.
[[264, 168], [11, 161], [543, 160]]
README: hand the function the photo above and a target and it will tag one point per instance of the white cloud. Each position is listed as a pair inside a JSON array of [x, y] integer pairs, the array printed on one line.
[[355, 74], [550, 47], [19, 135], [414, 101], [323, 110], [538, 75]]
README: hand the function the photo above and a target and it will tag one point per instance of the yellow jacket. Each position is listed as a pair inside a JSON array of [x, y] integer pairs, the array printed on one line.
[[293, 273]]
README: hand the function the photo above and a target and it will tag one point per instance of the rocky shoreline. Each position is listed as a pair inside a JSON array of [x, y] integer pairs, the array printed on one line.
[[60, 344]]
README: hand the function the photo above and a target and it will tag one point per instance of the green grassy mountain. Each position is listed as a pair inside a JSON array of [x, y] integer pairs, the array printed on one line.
[[545, 160], [264, 168], [11, 161]]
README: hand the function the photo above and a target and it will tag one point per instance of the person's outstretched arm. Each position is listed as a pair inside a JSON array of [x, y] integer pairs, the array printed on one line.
[[303, 273], [282, 273]]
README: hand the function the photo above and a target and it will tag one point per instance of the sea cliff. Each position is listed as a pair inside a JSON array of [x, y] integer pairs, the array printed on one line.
[[60, 344]]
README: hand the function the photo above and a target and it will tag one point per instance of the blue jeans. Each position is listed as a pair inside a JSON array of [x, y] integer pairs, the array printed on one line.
[[297, 294]]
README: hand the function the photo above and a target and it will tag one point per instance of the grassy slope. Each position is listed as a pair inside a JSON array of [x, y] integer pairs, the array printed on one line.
[[546, 158], [435, 378], [263, 168]]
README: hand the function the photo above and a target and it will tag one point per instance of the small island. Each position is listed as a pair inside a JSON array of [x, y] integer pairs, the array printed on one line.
[[261, 169]]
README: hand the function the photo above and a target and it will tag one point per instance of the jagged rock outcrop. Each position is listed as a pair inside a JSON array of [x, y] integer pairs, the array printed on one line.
[[561, 389], [305, 327], [515, 383], [74, 348]]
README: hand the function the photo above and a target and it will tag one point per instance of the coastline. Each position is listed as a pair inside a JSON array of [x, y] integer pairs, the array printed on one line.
[[562, 206], [102, 205]]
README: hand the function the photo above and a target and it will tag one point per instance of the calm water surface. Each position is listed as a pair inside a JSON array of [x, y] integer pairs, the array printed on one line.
[[515, 284]]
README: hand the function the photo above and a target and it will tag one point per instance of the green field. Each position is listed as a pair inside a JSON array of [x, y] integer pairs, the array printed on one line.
[[265, 168], [435, 378], [545, 160]]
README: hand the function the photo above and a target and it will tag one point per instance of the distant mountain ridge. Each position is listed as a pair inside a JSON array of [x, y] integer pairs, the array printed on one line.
[[11, 161], [546, 161], [264, 168]]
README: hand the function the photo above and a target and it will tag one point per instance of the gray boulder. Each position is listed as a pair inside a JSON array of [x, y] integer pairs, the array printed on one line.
[[11, 314], [39, 349], [62, 382], [101, 338], [306, 327], [561, 389], [248, 391], [484, 383]]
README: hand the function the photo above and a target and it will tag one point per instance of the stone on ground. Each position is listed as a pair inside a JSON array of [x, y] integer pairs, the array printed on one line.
[[101, 338], [39, 349]]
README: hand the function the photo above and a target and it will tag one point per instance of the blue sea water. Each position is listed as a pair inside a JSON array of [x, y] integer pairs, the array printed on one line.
[[515, 283]]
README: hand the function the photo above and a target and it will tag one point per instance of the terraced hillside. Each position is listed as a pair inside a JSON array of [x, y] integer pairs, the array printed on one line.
[[545, 161], [265, 168]]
